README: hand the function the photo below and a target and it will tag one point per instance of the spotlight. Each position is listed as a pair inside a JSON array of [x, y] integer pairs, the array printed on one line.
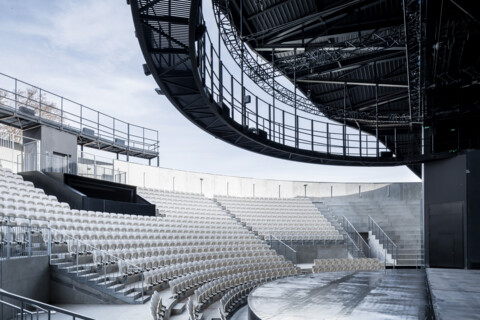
[[159, 91], [146, 69]]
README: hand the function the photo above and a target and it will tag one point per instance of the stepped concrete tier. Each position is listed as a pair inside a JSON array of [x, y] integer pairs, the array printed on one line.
[[400, 220]]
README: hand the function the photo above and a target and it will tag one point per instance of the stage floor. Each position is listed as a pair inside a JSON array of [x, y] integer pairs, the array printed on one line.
[[390, 294], [455, 293]]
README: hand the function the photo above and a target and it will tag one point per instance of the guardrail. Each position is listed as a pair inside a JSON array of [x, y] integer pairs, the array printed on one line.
[[101, 258], [20, 311], [44, 106], [277, 121], [22, 237], [288, 252], [385, 241], [356, 245]]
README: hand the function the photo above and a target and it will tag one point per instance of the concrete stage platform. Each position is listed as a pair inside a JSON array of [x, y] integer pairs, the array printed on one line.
[[455, 293], [390, 294]]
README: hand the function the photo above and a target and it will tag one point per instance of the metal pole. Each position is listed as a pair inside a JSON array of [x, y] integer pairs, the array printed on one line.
[[76, 255], [256, 112], [16, 96], [29, 230], [376, 120], [9, 237], [295, 96], [344, 129], [128, 142], [312, 138]]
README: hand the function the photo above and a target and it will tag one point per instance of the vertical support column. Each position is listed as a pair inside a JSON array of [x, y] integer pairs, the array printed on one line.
[[328, 138], [360, 141], [344, 129], [128, 142], [376, 121], [244, 120], [395, 139], [211, 74], [256, 112], [269, 122], [16, 96], [220, 65], [232, 97], [29, 238], [283, 126], [295, 96], [312, 134], [9, 236], [40, 106]]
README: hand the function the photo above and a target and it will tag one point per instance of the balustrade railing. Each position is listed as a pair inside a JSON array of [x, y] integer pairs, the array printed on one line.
[[384, 240], [356, 245], [282, 248], [276, 121], [24, 308]]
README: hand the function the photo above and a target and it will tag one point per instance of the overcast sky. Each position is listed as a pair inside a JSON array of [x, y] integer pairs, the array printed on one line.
[[86, 50]]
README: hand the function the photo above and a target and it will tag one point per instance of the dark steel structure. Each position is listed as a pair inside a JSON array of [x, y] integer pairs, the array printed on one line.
[[371, 82]]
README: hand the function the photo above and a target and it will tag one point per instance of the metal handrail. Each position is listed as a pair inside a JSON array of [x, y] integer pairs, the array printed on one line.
[[272, 237], [147, 140], [104, 254], [373, 226], [47, 307], [347, 225], [376, 224]]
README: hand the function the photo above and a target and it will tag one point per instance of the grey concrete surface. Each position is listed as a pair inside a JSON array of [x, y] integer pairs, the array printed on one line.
[[394, 294], [455, 293], [27, 277]]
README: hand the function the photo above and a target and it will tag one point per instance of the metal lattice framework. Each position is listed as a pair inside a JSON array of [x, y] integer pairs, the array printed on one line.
[[360, 73]]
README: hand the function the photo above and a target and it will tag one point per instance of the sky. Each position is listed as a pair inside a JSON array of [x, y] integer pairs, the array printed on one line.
[[86, 50]]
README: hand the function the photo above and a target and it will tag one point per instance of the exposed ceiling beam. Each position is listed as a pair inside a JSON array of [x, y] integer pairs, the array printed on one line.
[[357, 83]]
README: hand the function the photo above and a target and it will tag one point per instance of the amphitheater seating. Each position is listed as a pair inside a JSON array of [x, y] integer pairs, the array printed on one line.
[[288, 219], [361, 264], [192, 245]]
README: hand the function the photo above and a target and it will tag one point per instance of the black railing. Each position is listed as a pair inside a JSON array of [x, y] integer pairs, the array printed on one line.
[[25, 308]]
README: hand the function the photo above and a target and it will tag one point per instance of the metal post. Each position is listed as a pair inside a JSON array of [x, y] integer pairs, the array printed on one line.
[[76, 255], [254, 190], [40, 111], [201, 185], [49, 243], [256, 112], [395, 139], [9, 236], [376, 120], [312, 133], [269, 122], [61, 112], [104, 269], [360, 141], [128, 142], [305, 186], [16, 96], [328, 138], [295, 95], [279, 191], [344, 129], [231, 97], [212, 87], [29, 229], [173, 189], [98, 124]]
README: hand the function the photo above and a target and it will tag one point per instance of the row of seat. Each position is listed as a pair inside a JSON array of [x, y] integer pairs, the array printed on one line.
[[359, 264], [235, 298], [191, 281], [170, 272], [206, 293]]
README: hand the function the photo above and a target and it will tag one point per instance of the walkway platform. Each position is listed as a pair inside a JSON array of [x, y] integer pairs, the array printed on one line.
[[455, 293]]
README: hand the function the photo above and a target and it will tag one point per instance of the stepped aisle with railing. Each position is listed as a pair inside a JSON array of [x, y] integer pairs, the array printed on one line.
[[399, 220]]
